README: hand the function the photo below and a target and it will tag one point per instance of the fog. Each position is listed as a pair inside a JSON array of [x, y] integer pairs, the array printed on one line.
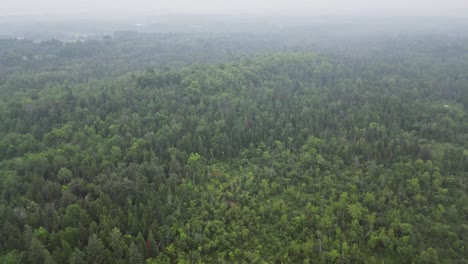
[[313, 7], [73, 20]]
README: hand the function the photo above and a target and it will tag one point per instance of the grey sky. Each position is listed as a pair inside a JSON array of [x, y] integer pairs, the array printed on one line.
[[315, 7]]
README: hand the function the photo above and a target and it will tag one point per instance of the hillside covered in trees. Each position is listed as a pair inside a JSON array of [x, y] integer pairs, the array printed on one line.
[[215, 148]]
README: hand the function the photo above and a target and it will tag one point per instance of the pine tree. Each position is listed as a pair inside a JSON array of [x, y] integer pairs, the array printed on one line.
[[78, 257], [134, 255], [95, 250]]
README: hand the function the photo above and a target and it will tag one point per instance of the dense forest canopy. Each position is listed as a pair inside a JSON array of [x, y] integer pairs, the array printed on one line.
[[296, 146]]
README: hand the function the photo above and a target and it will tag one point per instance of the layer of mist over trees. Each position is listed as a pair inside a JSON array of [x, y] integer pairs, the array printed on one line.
[[301, 143]]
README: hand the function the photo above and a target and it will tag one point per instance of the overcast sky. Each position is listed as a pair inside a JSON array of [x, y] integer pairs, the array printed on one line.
[[314, 7]]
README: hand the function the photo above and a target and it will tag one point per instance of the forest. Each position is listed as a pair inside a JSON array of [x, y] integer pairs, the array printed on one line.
[[286, 147]]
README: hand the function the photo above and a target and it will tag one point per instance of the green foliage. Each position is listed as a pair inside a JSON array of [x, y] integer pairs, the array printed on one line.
[[95, 250], [11, 257], [78, 257], [134, 255], [279, 158]]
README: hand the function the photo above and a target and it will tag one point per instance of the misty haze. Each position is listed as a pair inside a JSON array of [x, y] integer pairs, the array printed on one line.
[[233, 132]]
